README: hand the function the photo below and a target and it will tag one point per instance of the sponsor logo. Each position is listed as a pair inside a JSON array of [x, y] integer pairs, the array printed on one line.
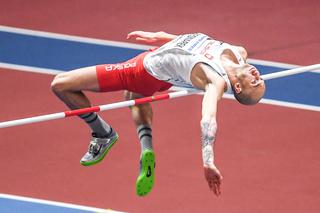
[[111, 67], [188, 38], [149, 173], [205, 51], [208, 56], [95, 152], [207, 47], [204, 37]]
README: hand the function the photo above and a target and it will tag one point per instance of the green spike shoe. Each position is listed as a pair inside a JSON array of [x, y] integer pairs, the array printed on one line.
[[145, 181]]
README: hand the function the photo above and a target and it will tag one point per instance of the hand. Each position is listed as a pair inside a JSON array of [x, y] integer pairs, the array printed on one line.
[[147, 37], [213, 177]]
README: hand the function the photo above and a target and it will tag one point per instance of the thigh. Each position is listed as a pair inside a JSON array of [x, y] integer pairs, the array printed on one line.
[[80, 79], [121, 76]]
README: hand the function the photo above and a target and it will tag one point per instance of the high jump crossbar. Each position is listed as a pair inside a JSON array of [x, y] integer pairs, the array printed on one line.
[[139, 101]]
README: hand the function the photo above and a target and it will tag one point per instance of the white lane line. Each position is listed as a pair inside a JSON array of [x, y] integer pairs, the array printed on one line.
[[55, 203], [73, 38], [30, 69], [276, 64]]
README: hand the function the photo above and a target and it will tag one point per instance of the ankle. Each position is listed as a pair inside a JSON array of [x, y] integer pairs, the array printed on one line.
[[145, 136]]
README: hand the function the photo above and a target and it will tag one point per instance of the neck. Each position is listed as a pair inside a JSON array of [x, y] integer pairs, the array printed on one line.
[[230, 67]]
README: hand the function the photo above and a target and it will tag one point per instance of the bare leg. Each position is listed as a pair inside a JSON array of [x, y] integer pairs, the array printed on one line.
[[141, 114], [69, 86], [142, 117]]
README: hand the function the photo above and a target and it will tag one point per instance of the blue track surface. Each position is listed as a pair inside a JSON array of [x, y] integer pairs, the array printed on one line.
[[56, 53], [66, 55], [19, 206]]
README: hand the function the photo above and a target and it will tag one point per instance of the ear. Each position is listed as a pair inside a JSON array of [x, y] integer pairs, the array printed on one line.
[[237, 87]]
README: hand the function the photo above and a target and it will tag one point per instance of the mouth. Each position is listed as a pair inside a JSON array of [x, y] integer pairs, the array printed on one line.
[[256, 82]]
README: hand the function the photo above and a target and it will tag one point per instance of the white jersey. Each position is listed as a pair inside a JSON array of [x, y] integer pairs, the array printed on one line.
[[174, 61]]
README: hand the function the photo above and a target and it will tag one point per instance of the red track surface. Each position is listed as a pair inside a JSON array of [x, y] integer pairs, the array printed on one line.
[[268, 155]]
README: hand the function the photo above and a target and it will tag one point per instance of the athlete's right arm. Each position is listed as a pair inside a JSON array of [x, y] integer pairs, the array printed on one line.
[[204, 78], [208, 135], [158, 38]]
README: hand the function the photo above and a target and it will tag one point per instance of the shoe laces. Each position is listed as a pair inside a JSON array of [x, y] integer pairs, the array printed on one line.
[[94, 147]]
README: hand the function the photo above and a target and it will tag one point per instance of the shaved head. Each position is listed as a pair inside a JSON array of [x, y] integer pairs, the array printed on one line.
[[250, 96], [248, 87]]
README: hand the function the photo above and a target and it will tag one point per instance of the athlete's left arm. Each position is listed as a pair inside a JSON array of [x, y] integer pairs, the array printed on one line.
[[158, 38]]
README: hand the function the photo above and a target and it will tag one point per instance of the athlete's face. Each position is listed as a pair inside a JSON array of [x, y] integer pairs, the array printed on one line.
[[250, 82], [249, 76]]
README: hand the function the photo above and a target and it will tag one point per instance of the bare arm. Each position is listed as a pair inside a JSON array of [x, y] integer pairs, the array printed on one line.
[[208, 135], [203, 78], [151, 37], [243, 52], [208, 124]]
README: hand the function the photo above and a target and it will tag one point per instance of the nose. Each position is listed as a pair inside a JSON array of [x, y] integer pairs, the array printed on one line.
[[256, 79], [255, 72]]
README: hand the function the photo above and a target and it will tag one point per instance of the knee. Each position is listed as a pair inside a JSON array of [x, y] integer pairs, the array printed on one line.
[[140, 110], [127, 95], [60, 83], [131, 95]]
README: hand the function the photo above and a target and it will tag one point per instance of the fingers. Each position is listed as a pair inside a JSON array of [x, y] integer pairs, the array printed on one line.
[[142, 36], [215, 184], [218, 185], [148, 40], [133, 34], [214, 179], [215, 187]]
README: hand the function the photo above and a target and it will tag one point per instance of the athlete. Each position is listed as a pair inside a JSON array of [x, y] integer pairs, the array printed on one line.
[[190, 61]]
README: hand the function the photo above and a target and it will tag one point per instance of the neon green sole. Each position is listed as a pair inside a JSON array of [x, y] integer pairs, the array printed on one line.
[[102, 156], [145, 181]]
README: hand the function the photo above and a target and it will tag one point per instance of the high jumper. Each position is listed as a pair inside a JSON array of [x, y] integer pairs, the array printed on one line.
[[191, 60]]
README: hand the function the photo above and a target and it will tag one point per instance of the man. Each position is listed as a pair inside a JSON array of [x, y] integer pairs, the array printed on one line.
[[190, 61]]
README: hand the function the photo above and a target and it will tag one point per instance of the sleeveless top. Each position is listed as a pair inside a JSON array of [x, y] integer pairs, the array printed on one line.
[[174, 61]]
